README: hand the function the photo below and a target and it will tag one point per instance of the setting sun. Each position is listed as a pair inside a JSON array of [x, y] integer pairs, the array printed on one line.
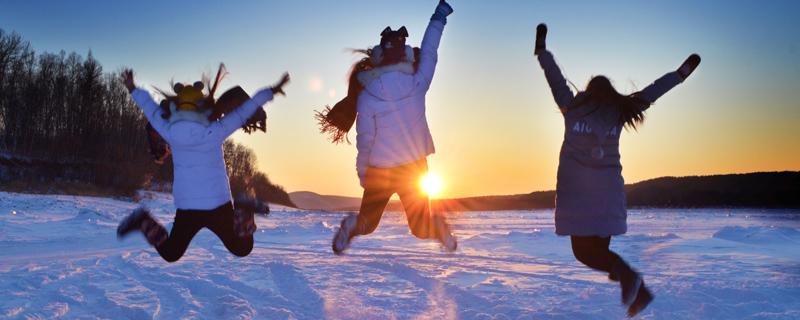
[[431, 184]]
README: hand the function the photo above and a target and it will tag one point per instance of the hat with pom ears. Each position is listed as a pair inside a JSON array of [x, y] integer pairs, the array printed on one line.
[[189, 97], [393, 48]]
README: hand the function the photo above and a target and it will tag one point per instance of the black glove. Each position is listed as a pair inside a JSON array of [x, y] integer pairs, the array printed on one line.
[[541, 34], [689, 65], [278, 88]]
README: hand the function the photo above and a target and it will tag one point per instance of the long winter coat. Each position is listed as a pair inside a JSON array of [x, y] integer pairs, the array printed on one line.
[[391, 127], [590, 195], [200, 179]]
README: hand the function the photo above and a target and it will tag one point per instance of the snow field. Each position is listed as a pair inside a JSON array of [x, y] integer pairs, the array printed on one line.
[[59, 258]]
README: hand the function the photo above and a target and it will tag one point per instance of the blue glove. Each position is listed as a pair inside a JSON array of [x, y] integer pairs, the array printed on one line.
[[442, 11]]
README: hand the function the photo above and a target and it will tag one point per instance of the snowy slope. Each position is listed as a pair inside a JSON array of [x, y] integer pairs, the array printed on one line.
[[59, 258]]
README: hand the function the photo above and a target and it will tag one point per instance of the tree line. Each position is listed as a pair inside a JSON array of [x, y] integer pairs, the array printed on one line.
[[63, 118], [747, 190]]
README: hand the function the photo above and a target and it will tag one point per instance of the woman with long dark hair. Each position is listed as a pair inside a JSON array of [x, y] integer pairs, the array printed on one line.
[[590, 195], [386, 100]]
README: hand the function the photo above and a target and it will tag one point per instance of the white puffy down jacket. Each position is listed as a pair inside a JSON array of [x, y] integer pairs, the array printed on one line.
[[391, 127], [200, 180]]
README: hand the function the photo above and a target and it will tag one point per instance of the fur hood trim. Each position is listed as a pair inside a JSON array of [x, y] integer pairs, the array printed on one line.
[[365, 77]]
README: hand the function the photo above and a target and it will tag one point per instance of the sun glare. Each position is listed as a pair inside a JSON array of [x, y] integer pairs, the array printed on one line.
[[431, 184]]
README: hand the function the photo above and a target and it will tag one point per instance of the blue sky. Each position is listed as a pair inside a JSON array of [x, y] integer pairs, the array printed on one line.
[[491, 113]]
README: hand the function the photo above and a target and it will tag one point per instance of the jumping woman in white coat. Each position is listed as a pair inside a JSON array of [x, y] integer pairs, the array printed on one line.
[[590, 196], [386, 100], [200, 186]]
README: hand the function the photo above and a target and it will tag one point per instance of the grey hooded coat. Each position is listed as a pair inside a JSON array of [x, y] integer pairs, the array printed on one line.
[[590, 195]]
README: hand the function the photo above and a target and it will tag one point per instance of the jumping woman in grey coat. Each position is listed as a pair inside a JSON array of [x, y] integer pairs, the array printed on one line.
[[590, 199]]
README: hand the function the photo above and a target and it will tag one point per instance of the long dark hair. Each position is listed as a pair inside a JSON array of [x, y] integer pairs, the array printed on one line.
[[631, 107], [337, 121]]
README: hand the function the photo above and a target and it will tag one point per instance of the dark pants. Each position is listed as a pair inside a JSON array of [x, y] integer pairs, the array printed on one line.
[[189, 222], [382, 183], [594, 252]]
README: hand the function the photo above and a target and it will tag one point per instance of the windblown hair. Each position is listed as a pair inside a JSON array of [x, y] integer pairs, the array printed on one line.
[[207, 84], [337, 121], [631, 107], [229, 101]]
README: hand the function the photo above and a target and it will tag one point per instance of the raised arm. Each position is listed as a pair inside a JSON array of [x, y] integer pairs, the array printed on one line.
[[237, 118], [558, 84], [365, 137], [145, 102], [659, 87], [429, 55], [668, 81]]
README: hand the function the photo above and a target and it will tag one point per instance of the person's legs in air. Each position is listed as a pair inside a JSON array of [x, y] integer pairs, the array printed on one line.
[[221, 222], [377, 192]]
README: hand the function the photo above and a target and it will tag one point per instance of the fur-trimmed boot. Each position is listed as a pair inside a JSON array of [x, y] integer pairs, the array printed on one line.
[[141, 220], [244, 222]]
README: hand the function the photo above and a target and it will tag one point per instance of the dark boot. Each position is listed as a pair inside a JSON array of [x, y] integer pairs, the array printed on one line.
[[133, 222], [154, 232], [141, 220], [244, 222], [629, 282], [643, 298]]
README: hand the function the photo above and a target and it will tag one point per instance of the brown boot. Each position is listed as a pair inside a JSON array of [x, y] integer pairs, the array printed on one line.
[[154, 232]]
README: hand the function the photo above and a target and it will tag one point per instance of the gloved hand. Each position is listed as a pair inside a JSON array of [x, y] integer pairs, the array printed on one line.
[[127, 79], [689, 65], [541, 34], [278, 88], [442, 11]]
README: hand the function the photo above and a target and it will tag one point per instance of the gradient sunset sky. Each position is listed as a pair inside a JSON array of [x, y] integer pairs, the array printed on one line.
[[494, 122]]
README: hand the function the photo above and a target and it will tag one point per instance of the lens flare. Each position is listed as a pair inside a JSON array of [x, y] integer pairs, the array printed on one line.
[[431, 184]]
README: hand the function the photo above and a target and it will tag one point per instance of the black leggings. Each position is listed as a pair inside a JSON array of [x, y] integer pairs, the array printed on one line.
[[189, 222], [593, 251]]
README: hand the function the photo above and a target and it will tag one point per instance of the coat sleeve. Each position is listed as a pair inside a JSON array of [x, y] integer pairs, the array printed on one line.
[[151, 111], [365, 138], [429, 55], [225, 127], [658, 88], [558, 84]]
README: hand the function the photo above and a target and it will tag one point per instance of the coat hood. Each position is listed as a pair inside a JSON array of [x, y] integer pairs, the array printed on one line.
[[389, 83]]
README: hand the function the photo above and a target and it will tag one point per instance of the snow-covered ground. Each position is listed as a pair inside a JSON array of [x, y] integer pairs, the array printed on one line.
[[59, 257]]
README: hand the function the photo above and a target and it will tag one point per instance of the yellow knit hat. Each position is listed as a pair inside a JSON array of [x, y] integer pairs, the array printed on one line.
[[189, 97]]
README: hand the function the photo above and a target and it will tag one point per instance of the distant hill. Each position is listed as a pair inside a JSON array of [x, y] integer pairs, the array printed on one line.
[[760, 190], [313, 201]]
